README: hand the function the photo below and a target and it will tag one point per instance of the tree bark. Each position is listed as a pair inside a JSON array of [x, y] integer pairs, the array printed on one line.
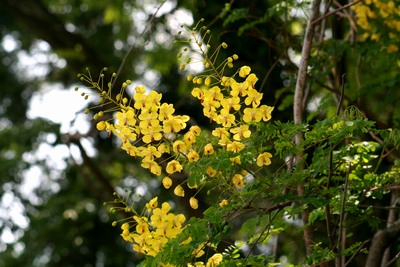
[[381, 240], [298, 109]]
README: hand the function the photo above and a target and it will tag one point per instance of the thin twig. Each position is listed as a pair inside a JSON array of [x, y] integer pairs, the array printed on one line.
[[327, 207], [380, 207], [133, 45], [393, 260], [335, 11], [356, 253], [342, 213], [341, 96]]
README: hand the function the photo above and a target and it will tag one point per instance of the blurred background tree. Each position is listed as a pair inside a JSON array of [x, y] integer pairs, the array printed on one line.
[[55, 177]]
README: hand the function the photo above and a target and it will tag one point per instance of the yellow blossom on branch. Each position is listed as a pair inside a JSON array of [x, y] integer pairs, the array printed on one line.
[[264, 159], [173, 166], [208, 149], [153, 203], [241, 132], [238, 180], [215, 260], [244, 71], [167, 182], [210, 171], [194, 203], [178, 191], [223, 203], [179, 146], [193, 156], [235, 147]]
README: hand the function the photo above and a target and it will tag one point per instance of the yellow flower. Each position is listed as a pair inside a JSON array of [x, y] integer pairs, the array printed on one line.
[[189, 137], [232, 102], [177, 220], [210, 171], [179, 146], [253, 97], [140, 89], [165, 111], [235, 147], [152, 133], [125, 226], [223, 203], [264, 159], [252, 114], [167, 182], [209, 109], [153, 100], [375, 37], [130, 149], [392, 48], [235, 160], [163, 148], [192, 184], [148, 119], [198, 252], [196, 130], [160, 214], [140, 100], [152, 166], [251, 79], [175, 124], [124, 133], [187, 241], [208, 149], [238, 180], [193, 156], [226, 81], [240, 132], [266, 111], [225, 118], [244, 71], [194, 203], [220, 132], [126, 117], [215, 260], [179, 191], [142, 228], [149, 153], [101, 125], [173, 166], [213, 94], [198, 93], [224, 141], [239, 89], [153, 203]]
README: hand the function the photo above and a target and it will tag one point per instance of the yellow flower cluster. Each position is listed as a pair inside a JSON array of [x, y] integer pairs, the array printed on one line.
[[151, 233], [234, 106], [223, 104], [145, 124], [379, 18], [144, 127], [149, 129]]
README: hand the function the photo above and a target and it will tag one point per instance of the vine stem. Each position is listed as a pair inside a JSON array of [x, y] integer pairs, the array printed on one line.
[[298, 108]]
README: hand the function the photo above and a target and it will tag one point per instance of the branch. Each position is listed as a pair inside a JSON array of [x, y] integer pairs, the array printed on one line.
[[298, 109], [305, 56], [336, 10], [94, 169], [381, 240]]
